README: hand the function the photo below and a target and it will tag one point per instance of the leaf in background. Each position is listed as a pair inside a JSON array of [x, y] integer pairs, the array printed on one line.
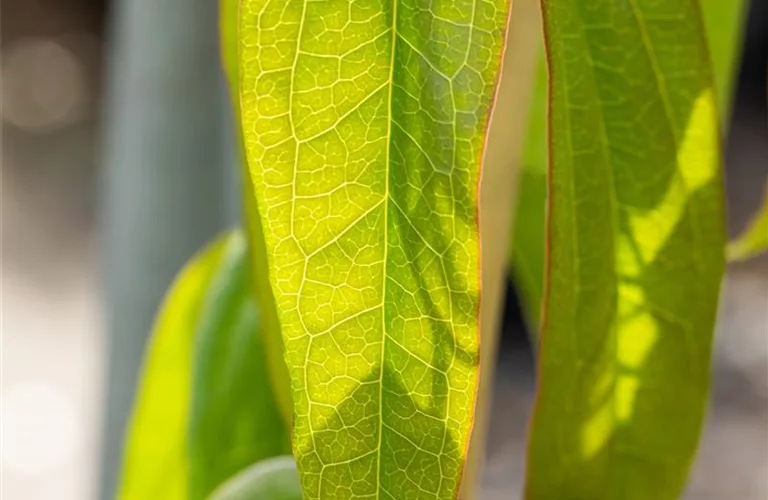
[[754, 240], [723, 22], [155, 463], [269, 323], [204, 361], [364, 126], [528, 230], [273, 479], [636, 239], [501, 169]]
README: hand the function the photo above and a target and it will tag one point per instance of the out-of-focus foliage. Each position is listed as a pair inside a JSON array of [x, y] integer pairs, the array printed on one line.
[[723, 23], [205, 409], [636, 251], [273, 479]]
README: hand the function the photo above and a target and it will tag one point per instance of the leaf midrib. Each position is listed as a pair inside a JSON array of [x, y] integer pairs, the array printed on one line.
[[386, 244]]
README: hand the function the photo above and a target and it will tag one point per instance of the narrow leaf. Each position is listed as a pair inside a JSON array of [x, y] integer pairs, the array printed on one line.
[[155, 461], [202, 383], [636, 239], [234, 421], [723, 22], [273, 479], [364, 123], [754, 240]]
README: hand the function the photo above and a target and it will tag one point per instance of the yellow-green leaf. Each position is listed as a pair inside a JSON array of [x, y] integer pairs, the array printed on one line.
[[723, 22], [155, 461], [754, 240], [234, 421], [269, 323], [204, 362], [273, 479], [364, 123], [636, 243]]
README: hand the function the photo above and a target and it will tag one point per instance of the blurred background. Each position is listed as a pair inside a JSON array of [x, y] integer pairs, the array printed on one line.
[[117, 166]]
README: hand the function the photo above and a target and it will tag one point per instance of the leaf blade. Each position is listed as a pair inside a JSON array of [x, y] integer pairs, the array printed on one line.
[[205, 342], [360, 202], [160, 409], [636, 236], [723, 21], [234, 420], [273, 342]]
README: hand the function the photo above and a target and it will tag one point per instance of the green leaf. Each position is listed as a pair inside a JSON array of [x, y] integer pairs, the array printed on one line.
[[270, 325], [204, 362], [273, 479], [723, 22], [234, 420], [636, 240], [155, 461], [754, 240], [364, 125]]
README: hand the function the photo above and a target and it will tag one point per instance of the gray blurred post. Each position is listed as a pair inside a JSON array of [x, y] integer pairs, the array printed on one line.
[[168, 182]]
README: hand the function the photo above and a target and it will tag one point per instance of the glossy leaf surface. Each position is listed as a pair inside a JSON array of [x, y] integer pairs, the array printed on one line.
[[636, 243], [364, 124], [273, 479], [204, 409], [723, 22]]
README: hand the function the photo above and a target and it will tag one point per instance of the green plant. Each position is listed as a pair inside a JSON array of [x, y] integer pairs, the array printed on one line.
[[348, 309]]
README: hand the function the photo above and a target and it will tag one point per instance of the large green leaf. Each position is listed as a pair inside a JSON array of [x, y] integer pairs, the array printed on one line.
[[636, 244], [723, 21], [364, 125], [204, 409], [269, 323]]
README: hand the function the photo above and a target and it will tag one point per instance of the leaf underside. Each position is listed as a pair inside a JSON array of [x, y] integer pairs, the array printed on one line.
[[723, 22], [364, 125], [262, 291], [636, 238]]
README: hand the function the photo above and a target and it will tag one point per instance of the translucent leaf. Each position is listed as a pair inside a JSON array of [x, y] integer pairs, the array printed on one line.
[[635, 259], [204, 408], [723, 22], [364, 124]]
